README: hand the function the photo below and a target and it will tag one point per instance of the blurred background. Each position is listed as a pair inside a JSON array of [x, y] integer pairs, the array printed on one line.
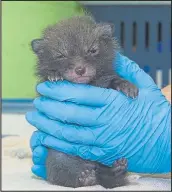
[[143, 29]]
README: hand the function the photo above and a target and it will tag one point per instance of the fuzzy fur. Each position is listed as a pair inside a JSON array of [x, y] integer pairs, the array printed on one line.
[[79, 43]]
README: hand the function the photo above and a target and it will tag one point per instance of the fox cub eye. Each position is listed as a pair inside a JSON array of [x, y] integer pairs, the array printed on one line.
[[57, 55], [93, 51], [60, 56]]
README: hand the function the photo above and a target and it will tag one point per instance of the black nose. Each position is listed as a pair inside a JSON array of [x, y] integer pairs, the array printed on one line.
[[80, 70]]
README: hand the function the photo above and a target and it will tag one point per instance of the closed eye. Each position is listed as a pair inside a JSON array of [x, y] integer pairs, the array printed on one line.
[[57, 54], [60, 56], [93, 51]]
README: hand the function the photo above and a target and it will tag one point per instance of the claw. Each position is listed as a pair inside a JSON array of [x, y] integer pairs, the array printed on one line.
[[54, 78]]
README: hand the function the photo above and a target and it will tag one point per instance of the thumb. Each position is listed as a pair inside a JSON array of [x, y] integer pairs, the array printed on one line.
[[130, 71]]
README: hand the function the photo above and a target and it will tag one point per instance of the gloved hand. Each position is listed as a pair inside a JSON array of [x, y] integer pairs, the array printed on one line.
[[103, 124]]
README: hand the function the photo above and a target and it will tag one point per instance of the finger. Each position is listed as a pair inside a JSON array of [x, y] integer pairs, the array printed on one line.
[[39, 170], [67, 112], [39, 155], [84, 151], [70, 133], [130, 71], [77, 93]]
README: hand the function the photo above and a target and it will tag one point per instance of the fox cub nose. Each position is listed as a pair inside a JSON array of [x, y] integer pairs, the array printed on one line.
[[80, 70]]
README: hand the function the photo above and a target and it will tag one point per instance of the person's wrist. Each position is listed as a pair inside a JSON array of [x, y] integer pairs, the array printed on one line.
[[165, 145]]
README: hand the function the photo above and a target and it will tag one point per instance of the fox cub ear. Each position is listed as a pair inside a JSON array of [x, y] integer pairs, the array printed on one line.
[[105, 30], [37, 45]]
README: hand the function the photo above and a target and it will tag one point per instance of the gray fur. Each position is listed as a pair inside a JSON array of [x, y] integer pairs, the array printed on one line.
[[80, 42]]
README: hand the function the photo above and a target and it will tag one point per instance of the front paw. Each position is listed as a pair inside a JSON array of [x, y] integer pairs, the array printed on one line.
[[128, 89]]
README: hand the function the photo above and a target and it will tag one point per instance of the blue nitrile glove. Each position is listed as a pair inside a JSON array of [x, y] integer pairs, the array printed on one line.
[[111, 125]]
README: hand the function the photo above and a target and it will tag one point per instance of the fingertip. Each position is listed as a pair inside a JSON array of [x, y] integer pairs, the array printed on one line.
[[38, 102], [40, 86], [36, 139], [39, 170], [30, 117], [43, 85], [39, 155]]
